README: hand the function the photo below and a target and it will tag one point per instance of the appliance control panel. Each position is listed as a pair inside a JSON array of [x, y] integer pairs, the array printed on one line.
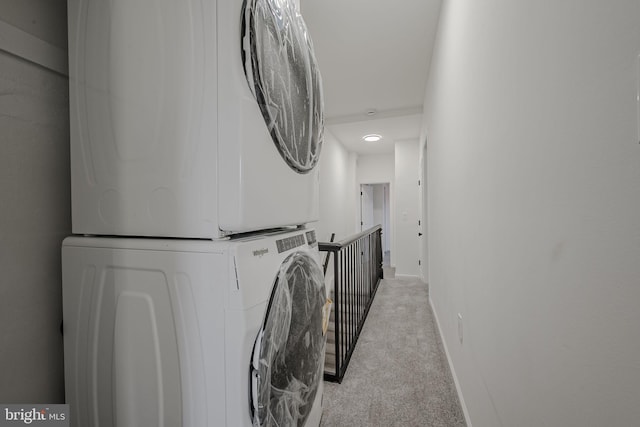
[[311, 237], [289, 243]]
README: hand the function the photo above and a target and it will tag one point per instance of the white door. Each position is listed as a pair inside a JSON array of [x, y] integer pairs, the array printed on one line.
[[386, 222], [422, 215], [366, 206]]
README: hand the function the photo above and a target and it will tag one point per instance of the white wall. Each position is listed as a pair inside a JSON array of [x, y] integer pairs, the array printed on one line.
[[400, 170], [337, 169], [406, 201], [375, 168], [34, 198], [378, 169], [45, 19], [534, 208]]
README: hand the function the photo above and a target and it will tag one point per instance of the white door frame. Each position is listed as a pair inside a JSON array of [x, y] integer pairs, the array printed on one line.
[[386, 214]]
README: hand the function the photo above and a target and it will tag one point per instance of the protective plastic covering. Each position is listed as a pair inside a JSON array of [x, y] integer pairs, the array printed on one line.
[[288, 359], [281, 69]]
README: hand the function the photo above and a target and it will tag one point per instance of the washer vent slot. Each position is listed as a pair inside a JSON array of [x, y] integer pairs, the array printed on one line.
[[290, 243]]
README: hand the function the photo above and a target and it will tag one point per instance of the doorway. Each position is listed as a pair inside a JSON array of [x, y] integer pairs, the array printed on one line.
[[423, 214], [375, 207]]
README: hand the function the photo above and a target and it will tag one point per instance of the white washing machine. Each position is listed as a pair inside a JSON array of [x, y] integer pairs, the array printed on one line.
[[194, 333], [192, 118]]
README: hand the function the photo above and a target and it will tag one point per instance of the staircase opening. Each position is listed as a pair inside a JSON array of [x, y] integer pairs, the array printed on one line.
[[354, 273]]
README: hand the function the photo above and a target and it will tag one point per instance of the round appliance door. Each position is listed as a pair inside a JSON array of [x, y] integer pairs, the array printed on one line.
[[282, 73], [288, 356]]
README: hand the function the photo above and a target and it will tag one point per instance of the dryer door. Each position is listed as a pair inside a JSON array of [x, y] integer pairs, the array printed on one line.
[[288, 356], [281, 69]]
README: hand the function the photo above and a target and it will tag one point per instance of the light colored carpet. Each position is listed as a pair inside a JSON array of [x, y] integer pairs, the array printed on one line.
[[398, 375]]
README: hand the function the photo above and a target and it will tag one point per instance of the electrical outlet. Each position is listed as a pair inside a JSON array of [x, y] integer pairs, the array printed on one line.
[[460, 331]]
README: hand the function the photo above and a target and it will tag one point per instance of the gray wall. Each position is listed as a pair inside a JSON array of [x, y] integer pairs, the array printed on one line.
[[534, 208], [45, 19], [34, 204]]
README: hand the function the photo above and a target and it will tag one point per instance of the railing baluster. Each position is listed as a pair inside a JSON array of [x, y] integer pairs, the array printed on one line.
[[352, 297], [339, 353], [357, 271], [349, 306], [337, 303]]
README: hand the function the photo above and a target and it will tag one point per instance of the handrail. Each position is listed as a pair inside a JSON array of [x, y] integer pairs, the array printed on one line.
[[326, 259], [357, 271], [334, 246]]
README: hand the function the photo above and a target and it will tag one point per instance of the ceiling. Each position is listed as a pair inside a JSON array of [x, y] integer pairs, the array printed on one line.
[[374, 57]]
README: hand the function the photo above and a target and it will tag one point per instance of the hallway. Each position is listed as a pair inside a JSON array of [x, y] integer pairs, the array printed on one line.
[[398, 375]]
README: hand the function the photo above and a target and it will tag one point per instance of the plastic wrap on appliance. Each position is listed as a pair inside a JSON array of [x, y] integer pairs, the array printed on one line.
[[283, 75], [290, 365]]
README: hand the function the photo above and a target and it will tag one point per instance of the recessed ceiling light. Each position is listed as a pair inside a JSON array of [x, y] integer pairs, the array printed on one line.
[[372, 137]]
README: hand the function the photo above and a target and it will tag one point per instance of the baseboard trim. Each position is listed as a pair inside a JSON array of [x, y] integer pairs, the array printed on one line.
[[453, 371]]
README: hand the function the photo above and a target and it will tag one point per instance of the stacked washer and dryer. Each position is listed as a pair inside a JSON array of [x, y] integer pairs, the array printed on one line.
[[192, 289]]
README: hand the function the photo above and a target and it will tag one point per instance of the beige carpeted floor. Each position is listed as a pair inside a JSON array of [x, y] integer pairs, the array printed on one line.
[[398, 375]]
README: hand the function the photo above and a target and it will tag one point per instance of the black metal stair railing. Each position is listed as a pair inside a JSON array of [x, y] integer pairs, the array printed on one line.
[[357, 271]]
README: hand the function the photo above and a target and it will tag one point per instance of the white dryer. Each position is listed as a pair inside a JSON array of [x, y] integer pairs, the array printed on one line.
[[194, 333], [192, 118]]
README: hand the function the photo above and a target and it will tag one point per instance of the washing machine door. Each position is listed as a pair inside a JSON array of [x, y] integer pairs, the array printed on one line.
[[288, 356], [282, 73]]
